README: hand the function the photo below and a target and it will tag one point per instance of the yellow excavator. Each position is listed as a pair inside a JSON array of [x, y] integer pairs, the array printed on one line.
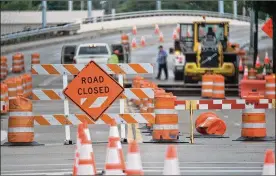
[[206, 48]]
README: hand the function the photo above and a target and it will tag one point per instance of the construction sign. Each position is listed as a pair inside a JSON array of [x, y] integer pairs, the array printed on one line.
[[268, 27], [93, 90]]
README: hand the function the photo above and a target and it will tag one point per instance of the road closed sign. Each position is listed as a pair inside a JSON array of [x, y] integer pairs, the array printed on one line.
[[93, 90]]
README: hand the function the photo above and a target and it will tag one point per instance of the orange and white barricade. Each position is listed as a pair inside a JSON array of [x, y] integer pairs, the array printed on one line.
[[4, 68], [218, 87], [19, 85], [270, 86], [18, 63], [27, 84], [4, 98], [35, 58], [12, 89], [166, 119], [207, 85]]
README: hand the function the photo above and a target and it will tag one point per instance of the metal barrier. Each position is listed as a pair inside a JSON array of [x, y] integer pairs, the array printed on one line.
[[75, 119], [73, 27]]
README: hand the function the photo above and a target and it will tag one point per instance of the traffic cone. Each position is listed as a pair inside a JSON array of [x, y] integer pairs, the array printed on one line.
[[258, 63], [161, 37], [188, 33], [77, 149], [86, 163], [178, 28], [134, 30], [134, 163], [245, 73], [240, 65], [171, 166], [264, 71], [269, 163], [114, 134], [143, 41], [133, 43], [156, 30], [266, 59], [174, 35], [113, 165]]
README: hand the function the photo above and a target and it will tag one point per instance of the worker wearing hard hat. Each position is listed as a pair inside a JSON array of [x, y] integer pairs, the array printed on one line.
[[114, 58]]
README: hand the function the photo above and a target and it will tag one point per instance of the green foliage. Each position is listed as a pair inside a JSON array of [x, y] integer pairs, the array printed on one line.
[[17, 5]]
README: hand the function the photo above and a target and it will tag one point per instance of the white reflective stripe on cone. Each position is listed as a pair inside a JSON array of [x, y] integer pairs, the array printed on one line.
[[251, 77], [17, 61], [270, 92], [11, 98], [207, 83], [253, 125], [11, 89], [21, 129], [270, 85], [21, 113], [253, 111], [207, 90], [165, 127], [165, 111], [219, 84]]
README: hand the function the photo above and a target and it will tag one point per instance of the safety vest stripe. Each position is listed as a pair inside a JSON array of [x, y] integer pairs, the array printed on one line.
[[21, 130], [74, 69], [253, 125]]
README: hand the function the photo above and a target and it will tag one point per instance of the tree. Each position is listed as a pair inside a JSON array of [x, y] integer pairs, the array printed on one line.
[[17, 5], [269, 8]]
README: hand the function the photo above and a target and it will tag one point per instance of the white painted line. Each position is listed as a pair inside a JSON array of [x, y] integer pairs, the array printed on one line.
[[3, 135]]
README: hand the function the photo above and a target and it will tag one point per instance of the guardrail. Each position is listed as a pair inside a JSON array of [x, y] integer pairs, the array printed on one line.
[[74, 27], [66, 29]]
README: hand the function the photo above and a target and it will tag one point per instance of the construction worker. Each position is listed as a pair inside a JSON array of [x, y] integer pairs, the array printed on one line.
[[114, 57], [162, 62]]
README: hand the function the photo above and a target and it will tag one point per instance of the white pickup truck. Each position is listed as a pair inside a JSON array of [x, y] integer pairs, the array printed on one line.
[[98, 52]]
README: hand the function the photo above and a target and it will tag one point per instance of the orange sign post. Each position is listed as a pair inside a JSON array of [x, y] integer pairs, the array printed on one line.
[[93, 90]]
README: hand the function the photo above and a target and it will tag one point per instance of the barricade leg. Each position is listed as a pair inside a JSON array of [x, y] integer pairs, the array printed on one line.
[[21, 123]]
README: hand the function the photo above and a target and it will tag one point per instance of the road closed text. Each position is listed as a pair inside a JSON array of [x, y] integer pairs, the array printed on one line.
[[94, 87]]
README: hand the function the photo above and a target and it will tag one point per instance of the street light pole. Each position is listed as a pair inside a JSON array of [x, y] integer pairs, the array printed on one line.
[[256, 29], [44, 10]]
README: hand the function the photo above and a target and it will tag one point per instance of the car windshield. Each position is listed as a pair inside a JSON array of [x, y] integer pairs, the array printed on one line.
[[186, 32], [95, 50]]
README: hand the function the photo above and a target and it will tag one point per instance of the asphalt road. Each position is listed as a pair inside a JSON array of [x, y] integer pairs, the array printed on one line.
[[207, 156]]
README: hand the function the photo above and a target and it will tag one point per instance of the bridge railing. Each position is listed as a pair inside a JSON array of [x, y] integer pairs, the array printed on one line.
[[74, 27]]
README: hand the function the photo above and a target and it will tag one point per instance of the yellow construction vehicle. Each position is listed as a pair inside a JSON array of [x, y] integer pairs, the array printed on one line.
[[206, 49]]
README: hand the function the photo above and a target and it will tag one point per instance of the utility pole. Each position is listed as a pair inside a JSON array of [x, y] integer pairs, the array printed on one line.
[[235, 12], [221, 6], [256, 29], [70, 5], [89, 8], [44, 17], [158, 5]]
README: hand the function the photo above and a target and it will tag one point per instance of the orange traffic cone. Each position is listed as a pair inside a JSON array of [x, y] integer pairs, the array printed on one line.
[[266, 59], [178, 28], [114, 135], [77, 149], [161, 37], [258, 63], [143, 41], [113, 165], [156, 30], [86, 163], [174, 35], [134, 30], [171, 166], [269, 163], [240, 65], [245, 73], [133, 43], [134, 163]]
